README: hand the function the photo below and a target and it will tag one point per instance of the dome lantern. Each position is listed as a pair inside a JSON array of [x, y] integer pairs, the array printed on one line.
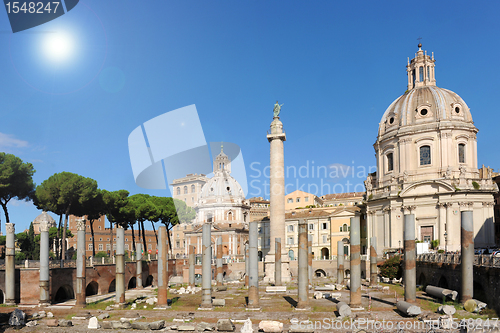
[[420, 70]]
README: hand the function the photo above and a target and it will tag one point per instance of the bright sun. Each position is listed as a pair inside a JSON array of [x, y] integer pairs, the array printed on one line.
[[58, 46]]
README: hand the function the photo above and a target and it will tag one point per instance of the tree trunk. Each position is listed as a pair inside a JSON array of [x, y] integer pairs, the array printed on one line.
[[168, 237], [111, 253], [93, 238], [63, 243], [133, 238], [143, 235], [58, 237], [4, 206], [154, 230]]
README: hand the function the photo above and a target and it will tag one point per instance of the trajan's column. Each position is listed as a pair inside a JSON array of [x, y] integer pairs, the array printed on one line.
[[276, 137]]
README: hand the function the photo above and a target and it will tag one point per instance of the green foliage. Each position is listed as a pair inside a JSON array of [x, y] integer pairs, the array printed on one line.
[[435, 243], [476, 185], [370, 197], [392, 268], [20, 256], [3, 239], [101, 254], [457, 189], [440, 251], [15, 181], [52, 255]]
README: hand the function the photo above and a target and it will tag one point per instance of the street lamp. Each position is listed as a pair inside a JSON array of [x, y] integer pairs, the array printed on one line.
[[445, 242]]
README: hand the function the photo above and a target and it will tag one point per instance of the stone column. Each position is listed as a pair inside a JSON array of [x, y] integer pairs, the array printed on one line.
[[253, 266], [355, 283], [44, 264], [276, 137], [219, 261], [10, 265], [303, 291], [467, 240], [206, 249], [340, 262], [191, 265], [80, 264], [138, 266], [309, 259], [247, 260], [120, 267], [410, 272], [373, 261], [277, 262], [162, 266]]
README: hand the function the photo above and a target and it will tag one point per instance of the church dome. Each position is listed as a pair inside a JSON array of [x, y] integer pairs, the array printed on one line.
[[221, 185], [44, 217], [422, 105]]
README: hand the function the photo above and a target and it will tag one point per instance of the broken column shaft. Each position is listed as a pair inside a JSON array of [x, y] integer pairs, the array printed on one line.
[[80, 264], [138, 266], [408, 309], [303, 302], [162, 267], [206, 250], [355, 283], [277, 262], [410, 271], [191, 265], [340, 262], [44, 264], [10, 265], [219, 261], [439, 293], [253, 266], [120, 266], [373, 261], [467, 245]]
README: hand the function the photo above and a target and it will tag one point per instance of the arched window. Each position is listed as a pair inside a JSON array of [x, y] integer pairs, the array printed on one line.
[[390, 165], [192, 188], [421, 74], [185, 190], [461, 153], [178, 190], [344, 228], [425, 155], [230, 216], [428, 73]]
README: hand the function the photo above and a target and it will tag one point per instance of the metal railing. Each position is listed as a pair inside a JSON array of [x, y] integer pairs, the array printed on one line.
[[455, 258]]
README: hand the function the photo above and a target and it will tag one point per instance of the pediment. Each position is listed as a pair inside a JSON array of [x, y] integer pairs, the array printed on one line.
[[427, 187]]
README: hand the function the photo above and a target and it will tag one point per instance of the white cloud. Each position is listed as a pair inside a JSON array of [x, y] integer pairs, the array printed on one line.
[[9, 141]]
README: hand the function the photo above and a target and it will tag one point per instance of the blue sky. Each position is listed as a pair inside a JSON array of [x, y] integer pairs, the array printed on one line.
[[336, 66]]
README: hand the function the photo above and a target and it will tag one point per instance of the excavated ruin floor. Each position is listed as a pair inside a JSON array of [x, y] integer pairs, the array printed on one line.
[[379, 305]]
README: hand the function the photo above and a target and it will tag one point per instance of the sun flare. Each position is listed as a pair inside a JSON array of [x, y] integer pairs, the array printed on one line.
[[58, 46]]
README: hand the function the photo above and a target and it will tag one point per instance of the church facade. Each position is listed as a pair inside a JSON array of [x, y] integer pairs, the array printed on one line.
[[426, 152]]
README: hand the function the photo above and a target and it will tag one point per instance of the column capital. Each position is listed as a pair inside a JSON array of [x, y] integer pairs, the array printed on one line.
[[44, 226], [80, 224], [9, 227]]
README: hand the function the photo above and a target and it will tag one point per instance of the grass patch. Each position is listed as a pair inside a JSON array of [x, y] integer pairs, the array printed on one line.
[[99, 305]]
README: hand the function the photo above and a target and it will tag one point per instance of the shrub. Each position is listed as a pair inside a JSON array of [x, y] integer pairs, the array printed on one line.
[[101, 254], [476, 185], [20, 256], [440, 251], [435, 243], [392, 268]]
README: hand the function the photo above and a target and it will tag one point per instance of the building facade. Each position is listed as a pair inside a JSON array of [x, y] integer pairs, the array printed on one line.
[[426, 152]]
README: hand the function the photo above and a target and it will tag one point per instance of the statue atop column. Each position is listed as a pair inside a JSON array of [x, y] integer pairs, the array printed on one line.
[[277, 109]]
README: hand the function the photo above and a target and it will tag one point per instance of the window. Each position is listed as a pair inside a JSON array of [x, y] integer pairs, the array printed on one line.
[[150, 247], [108, 247], [126, 247], [290, 200], [192, 188], [324, 226], [306, 199], [178, 244], [461, 153], [185, 190], [421, 74], [178, 190], [428, 73], [100, 247], [90, 247], [344, 227], [390, 166], [289, 241], [126, 239], [100, 239], [325, 238], [290, 228], [298, 200], [311, 226], [425, 155]]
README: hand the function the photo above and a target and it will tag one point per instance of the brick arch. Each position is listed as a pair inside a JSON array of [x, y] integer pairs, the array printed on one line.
[[112, 286], [92, 288], [132, 283], [64, 293]]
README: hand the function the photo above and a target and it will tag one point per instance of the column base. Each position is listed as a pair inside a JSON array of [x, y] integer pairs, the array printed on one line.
[[269, 268], [43, 304], [10, 303]]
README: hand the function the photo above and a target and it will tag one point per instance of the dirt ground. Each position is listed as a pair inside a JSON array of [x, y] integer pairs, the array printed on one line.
[[378, 305]]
